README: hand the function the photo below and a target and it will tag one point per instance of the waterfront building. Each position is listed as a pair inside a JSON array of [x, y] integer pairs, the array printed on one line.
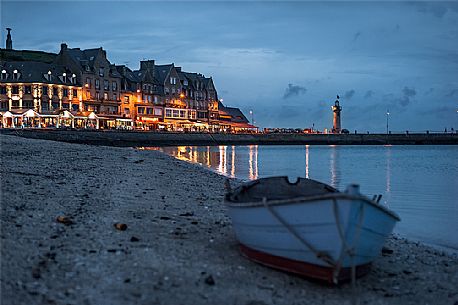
[[40, 86], [100, 78], [232, 119], [82, 89], [141, 96], [202, 97]]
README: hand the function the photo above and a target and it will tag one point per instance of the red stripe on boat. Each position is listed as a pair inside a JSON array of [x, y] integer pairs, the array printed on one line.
[[301, 268]]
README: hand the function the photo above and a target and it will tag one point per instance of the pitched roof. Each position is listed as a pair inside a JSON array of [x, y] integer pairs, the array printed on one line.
[[236, 114], [33, 71], [84, 57], [161, 72]]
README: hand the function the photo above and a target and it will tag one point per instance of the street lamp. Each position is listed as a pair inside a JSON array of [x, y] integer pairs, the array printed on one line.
[[387, 116]]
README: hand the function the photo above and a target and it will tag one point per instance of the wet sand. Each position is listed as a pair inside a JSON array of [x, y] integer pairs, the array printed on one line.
[[178, 247]]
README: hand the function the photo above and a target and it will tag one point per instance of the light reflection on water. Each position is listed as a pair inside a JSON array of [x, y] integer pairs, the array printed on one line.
[[420, 183]]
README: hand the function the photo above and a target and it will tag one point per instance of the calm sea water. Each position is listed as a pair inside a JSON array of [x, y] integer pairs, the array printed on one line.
[[420, 183]]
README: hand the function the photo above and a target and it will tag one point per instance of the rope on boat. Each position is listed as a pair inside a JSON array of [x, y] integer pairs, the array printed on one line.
[[346, 249], [350, 251], [319, 254]]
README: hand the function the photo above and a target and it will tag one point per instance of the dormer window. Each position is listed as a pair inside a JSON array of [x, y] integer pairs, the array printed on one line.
[[101, 71], [4, 75], [64, 77], [16, 75], [73, 79], [48, 76]]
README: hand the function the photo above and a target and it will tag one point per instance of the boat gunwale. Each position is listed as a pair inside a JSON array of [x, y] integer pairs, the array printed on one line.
[[301, 199]]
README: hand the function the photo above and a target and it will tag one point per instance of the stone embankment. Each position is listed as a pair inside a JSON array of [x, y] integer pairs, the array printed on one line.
[[148, 138], [108, 225]]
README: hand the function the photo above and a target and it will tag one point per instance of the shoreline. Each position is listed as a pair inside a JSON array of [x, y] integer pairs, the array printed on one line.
[[447, 249], [148, 138], [178, 248]]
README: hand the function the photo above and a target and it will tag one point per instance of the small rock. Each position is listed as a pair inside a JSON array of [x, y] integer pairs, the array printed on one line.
[[165, 218], [187, 214], [36, 273], [64, 220], [386, 251], [139, 161], [120, 226], [134, 239], [209, 280]]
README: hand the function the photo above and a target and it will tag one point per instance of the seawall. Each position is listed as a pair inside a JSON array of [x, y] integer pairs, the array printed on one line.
[[147, 138]]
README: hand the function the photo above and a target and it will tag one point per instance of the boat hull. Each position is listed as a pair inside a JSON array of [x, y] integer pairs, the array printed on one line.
[[349, 230], [303, 268]]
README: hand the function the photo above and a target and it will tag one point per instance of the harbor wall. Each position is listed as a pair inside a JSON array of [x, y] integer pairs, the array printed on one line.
[[148, 138]]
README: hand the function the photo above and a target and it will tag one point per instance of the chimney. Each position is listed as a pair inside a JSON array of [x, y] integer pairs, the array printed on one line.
[[178, 69], [63, 47], [147, 64], [9, 42]]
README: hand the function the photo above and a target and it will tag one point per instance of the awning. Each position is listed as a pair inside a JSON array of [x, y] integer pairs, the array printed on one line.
[[242, 125], [147, 119], [66, 114], [31, 114], [92, 116], [178, 121]]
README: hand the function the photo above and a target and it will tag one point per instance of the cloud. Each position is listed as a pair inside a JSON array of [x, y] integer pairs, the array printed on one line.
[[356, 36], [369, 94], [349, 94], [452, 93], [408, 93], [294, 90], [430, 90]]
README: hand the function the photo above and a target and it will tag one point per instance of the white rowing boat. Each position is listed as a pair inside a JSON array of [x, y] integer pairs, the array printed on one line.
[[308, 227]]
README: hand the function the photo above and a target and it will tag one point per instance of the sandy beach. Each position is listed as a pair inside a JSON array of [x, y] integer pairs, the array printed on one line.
[[178, 247]]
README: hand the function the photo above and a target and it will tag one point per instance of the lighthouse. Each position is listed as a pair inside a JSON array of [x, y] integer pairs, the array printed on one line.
[[336, 109]]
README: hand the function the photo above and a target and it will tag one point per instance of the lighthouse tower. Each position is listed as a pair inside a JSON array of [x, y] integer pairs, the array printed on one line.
[[336, 109]]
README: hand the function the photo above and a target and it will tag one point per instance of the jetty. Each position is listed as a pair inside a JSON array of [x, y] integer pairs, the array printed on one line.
[[148, 138]]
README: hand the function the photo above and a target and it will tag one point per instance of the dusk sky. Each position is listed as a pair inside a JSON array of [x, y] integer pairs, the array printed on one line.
[[286, 61]]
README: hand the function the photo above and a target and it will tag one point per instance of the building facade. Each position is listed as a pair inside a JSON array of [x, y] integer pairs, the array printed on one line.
[[83, 89]]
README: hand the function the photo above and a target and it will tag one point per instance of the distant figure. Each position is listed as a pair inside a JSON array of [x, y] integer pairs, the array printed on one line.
[[445, 130]]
